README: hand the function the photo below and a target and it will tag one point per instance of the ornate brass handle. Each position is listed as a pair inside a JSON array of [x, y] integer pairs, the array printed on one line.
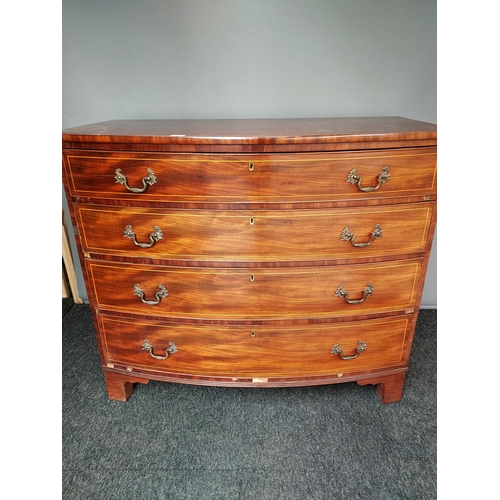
[[348, 236], [337, 350], [149, 180], [155, 236], [171, 349], [342, 294], [160, 294], [356, 179]]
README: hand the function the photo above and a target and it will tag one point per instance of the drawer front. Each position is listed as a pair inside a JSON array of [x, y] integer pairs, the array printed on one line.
[[255, 351], [255, 293], [308, 177], [255, 235]]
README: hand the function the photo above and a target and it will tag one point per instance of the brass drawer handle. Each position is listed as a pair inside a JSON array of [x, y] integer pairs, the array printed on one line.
[[337, 350], [356, 179], [342, 294], [160, 294], [172, 349], [155, 236], [348, 236], [149, 180]]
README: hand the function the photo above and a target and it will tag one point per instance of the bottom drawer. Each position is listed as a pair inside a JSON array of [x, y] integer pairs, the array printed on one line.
[[256, 352]]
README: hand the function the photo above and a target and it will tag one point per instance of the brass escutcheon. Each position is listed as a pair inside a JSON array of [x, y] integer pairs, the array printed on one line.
[[160, 294], [155, 236], [171, 349], [353, 178], [348, 236], [342, 294], [337, 350], [148, 180]]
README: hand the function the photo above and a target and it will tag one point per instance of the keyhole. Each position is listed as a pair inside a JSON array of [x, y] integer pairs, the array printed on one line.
[[250, 166], [252, 277], [252, 220], [252, 333]]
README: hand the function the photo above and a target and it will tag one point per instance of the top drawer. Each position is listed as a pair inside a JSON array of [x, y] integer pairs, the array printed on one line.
[[256, 178]]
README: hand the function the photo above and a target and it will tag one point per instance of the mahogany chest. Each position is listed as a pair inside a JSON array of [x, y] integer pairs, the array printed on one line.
[[253, 253]]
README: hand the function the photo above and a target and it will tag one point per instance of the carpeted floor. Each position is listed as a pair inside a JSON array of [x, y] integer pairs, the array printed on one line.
[[173, 441]]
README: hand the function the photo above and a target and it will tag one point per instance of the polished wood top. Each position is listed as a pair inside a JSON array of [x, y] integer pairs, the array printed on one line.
[[228, 132]]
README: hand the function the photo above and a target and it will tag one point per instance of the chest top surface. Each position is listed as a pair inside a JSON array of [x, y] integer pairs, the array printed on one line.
[[284, 134]]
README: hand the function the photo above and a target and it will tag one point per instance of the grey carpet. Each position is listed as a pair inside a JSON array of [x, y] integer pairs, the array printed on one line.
[[173, 441]]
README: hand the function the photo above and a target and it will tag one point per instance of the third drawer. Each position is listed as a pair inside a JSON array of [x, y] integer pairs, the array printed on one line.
[[256, 293]]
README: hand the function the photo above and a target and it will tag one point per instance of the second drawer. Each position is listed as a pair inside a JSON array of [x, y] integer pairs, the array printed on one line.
[[258, 235]]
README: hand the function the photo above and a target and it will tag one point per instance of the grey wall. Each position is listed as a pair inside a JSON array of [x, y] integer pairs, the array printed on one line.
[[249, 59]]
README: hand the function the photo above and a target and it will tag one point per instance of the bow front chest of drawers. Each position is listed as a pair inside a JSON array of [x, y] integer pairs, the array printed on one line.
[[253, 253]]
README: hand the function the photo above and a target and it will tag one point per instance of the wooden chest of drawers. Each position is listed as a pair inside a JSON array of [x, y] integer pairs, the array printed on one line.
[[254, 253]]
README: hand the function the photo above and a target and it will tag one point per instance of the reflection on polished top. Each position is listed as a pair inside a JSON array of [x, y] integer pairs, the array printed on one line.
[[253, 131]]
